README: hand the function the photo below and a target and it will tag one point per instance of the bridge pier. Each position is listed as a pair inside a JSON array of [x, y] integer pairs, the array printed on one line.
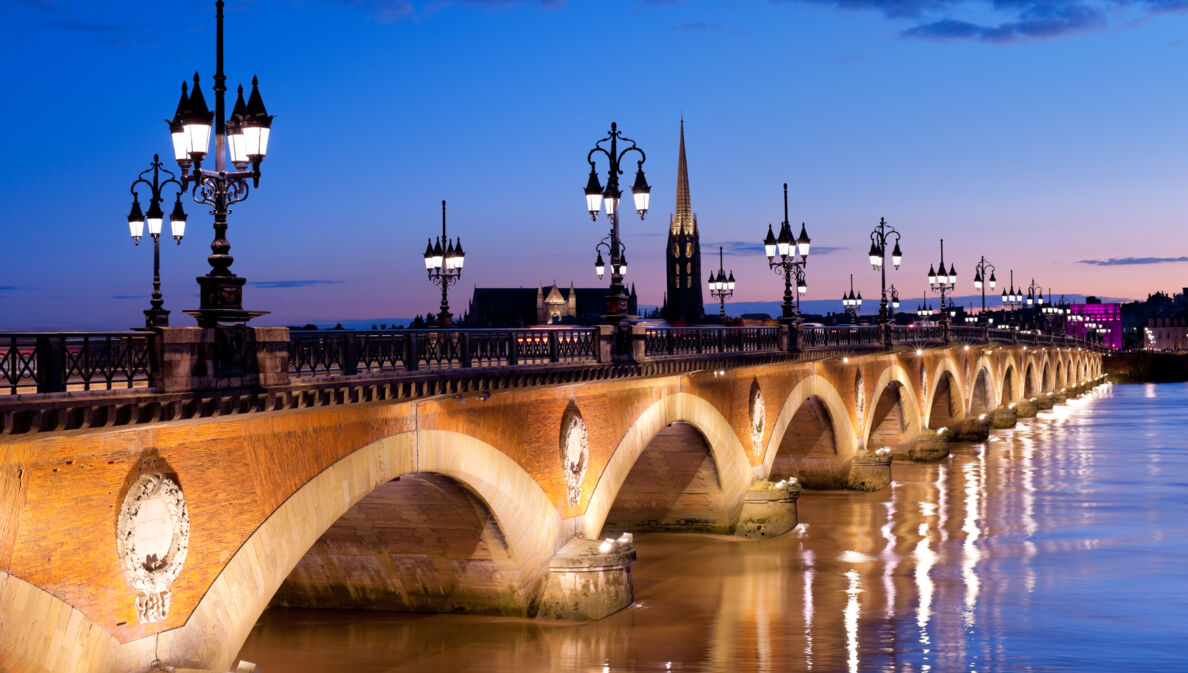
[[870, 471], [588, 580], [769, 509], [1045, 402], [930, 446], [1004, 417], [975, 429], [1026, 408]]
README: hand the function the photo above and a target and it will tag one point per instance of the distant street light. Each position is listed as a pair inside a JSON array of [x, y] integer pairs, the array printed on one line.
[[1035, 300], [721, 287], [924, 311], [597, 197], [443, 263], [878, 255], [782, 257], [245, 137], [156, 315], [981, 281], [943, 282], [852, 302], [1012, 299]]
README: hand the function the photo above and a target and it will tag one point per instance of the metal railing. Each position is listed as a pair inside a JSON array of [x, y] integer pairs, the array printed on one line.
[[57, 362], [661, 341], [350, 352], [51, 363], [819, 338]]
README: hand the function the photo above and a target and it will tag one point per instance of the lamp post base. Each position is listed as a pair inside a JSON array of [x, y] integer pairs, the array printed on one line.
[[156, 317], [221, 302]]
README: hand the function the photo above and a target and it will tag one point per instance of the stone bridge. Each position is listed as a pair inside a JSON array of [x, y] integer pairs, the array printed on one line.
[[509, 499]]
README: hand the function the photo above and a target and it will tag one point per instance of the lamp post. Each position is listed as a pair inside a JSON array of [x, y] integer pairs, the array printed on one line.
[[852, 302], [1035, 298], [894, 303], [782, 258], [443, 263], [1012, 298], [721, 287], [981, 281], [878, 254], [156, 315], [1057, 311], [245, 137], [943, 283], [597, 197], [924, 311]]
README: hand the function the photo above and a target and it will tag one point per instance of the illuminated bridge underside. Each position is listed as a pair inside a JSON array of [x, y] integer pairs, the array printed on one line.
[[458, 502]]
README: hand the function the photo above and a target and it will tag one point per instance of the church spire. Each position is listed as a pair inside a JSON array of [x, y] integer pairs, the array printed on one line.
[[684, 210]]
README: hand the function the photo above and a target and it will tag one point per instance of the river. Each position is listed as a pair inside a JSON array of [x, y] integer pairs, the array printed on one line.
[[1060, 545]]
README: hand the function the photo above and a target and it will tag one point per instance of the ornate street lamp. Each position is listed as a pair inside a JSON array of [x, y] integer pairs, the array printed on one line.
[[983, 278], [894, 302], [788, 256], [443, 263], [924, 311], [943, 282], [156, 315], [1012, 299], [245, 138], [597, 197], [879, 238], [1035, 300], [852, 302], [721, 287]]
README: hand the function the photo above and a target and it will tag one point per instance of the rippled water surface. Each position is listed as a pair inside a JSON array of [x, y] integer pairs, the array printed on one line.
[[1061, 545]]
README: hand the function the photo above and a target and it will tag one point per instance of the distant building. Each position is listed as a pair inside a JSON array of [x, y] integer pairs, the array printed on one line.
[[1166, 334], [682, 298], [1107, 318], [525, 307]]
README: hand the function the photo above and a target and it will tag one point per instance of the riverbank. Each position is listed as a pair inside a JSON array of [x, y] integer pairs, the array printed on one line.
[[1146, 367]]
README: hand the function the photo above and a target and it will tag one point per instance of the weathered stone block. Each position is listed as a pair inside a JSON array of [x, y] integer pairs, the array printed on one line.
[[769, 509], [930, 447], [976, 429], [588, 580], [870, 471], [1045, 402], [1025, 409], [1003, 418]]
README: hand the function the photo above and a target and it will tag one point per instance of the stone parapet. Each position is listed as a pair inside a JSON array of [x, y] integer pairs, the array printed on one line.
[[236, 358]]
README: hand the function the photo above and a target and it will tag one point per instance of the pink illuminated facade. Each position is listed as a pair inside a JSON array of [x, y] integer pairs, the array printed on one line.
[[1106, 318]]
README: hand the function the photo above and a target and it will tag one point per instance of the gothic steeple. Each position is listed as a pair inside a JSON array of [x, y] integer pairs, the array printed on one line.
[[682, 220], [682, 304]]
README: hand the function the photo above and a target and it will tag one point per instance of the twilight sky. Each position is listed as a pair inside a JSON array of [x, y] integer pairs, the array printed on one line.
[[1048, 135]]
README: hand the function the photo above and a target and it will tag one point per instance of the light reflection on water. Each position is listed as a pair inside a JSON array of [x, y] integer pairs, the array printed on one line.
[[1055, 547]]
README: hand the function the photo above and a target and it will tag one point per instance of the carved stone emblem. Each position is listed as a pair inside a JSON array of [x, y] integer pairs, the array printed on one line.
[[758, 417], [152, 538], [575, 453]]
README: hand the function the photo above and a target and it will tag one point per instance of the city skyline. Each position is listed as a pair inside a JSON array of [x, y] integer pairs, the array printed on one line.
[[1048, 150]]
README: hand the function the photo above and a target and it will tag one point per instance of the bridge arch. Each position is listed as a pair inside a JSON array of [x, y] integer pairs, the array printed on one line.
[[528, 521], [982, 390], [1011, 388], [815, 414], [1030, 379], [730, 458], [946, 395], [893, 416]]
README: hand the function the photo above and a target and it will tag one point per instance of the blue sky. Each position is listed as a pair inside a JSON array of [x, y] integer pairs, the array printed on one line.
[[1048, 136]]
